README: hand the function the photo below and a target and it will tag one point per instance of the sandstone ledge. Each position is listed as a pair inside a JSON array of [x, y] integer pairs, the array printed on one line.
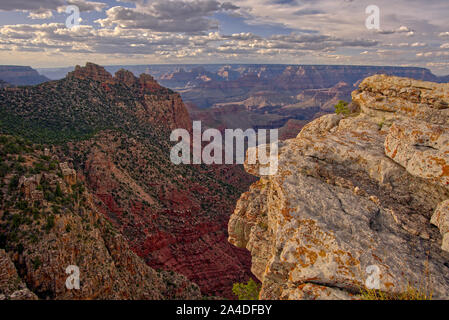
[[355, 192]]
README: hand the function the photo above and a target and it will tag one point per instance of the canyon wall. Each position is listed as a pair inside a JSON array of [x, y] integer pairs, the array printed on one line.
[[49, 221], [115, 131], [18, 75]]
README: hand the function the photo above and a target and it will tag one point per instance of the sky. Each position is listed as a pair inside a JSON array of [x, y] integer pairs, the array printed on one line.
[[114, 32]]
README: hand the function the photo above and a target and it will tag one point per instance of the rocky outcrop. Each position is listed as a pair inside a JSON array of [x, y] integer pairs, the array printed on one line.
[[126, 77], [28, 186], [152, 102], [91, 71], [352, 195], [68, 173], [11, 286], [389, 98], [441, 220]]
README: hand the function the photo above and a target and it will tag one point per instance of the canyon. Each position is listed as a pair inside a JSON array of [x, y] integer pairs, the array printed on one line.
[[86, 177], [114, 132], [49, 221]]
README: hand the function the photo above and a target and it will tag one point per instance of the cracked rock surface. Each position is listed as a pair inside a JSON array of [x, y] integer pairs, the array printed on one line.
[[354, 192]]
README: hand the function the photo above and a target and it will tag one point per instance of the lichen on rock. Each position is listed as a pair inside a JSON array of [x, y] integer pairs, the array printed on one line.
[[355, 192]]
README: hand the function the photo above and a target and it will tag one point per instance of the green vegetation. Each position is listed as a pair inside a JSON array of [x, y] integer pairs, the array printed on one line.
[[381, 124], [4, 168], [342, 108], [71, 110], [13, 183], [411, 293], [248, 291], [37, 263], [50, 223]]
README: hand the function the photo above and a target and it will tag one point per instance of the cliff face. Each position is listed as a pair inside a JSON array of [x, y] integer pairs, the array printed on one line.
[[175, 218], [352, 192], [153, 103], [18, 75], [49, 221]]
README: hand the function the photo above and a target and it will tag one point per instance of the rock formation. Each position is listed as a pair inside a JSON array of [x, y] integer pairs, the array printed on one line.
[[68, 173], [11, 286], [355, 194], [153, 102], [441, 220], [91, 71]]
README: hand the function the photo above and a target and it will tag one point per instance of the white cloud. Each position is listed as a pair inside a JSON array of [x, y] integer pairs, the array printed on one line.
[[318, 31], [46, 14], [418, 44], [190, 16]]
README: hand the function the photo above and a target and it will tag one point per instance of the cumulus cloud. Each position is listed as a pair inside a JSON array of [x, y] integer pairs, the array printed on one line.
[[40, 14], [401, 29], [56, 37], [137, 41], [286, 31], [168, 15]]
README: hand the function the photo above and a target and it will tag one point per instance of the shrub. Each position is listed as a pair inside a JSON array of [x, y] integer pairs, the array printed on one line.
[[14, 183], [410, 293], [342, 108], [58, 191], [52, 166], [17, 221], [22, 205], [3, 169], [381, 124], [37, 263], [39, 167], [248, 291], [12, 148], [50, 223]]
